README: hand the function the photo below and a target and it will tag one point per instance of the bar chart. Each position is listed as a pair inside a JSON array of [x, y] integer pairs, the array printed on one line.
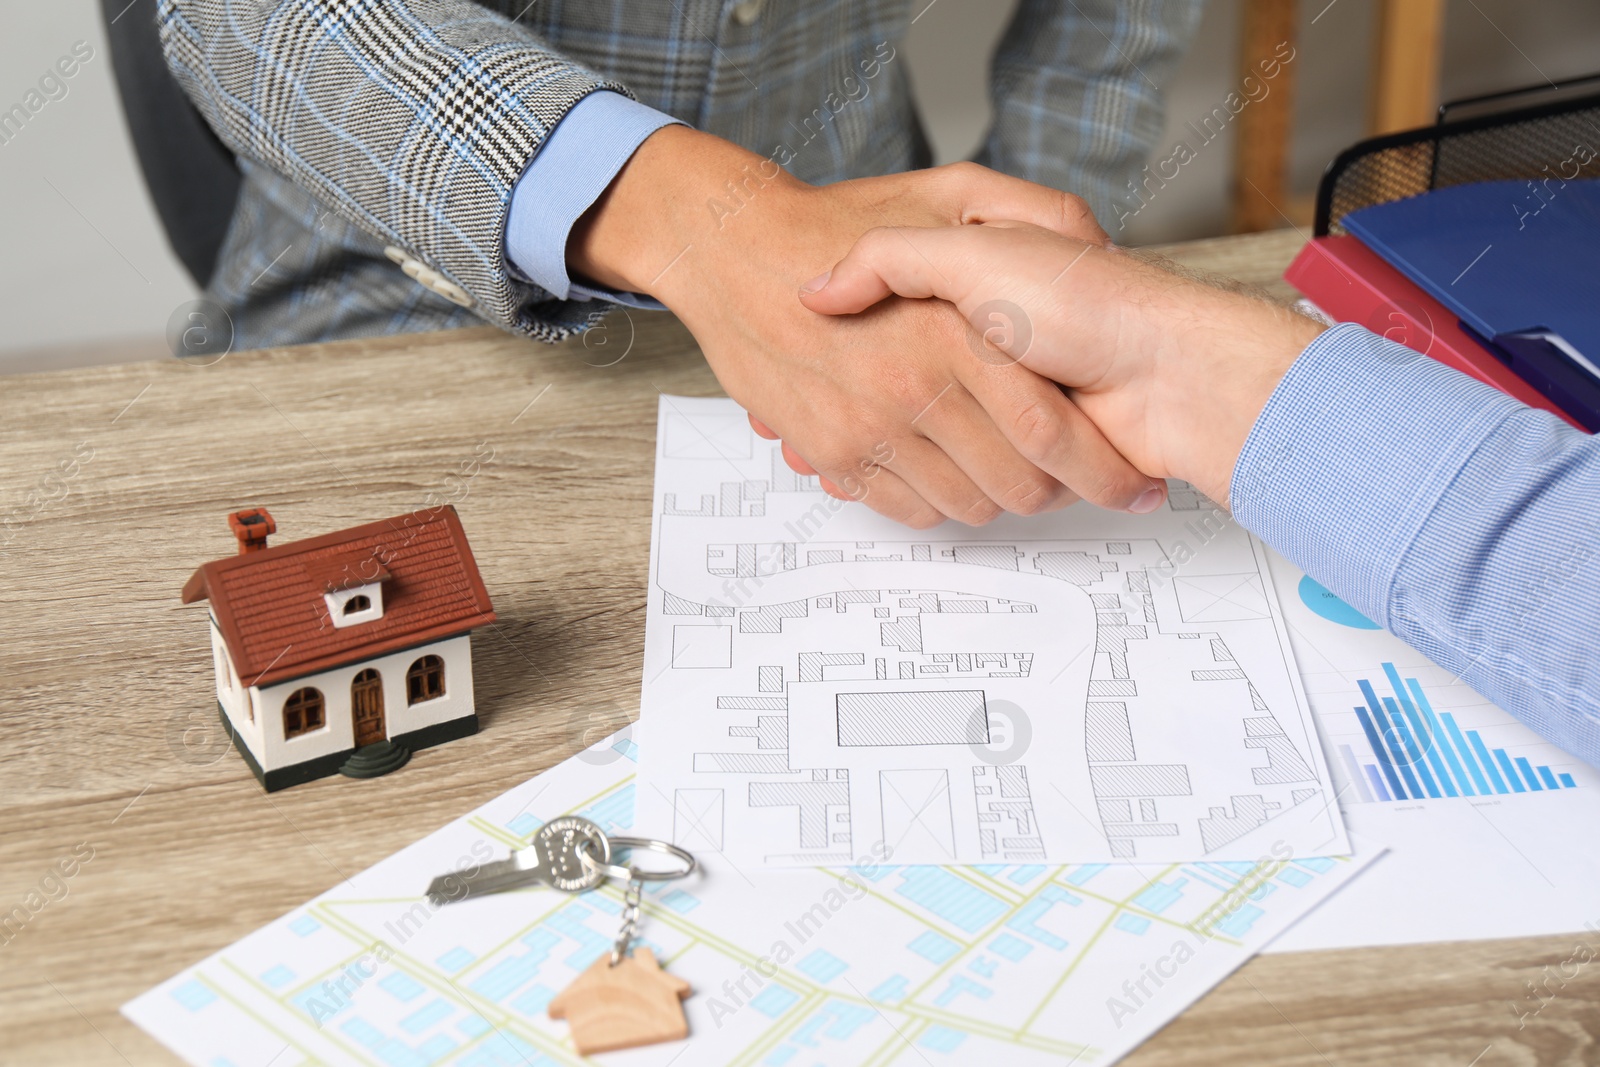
[[1418, 754]]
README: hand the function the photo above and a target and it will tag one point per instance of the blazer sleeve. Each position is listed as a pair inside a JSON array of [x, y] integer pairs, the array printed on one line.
[[1076, 91], [412, 118]]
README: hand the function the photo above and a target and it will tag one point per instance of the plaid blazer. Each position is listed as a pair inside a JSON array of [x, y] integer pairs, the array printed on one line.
[[366, 124]]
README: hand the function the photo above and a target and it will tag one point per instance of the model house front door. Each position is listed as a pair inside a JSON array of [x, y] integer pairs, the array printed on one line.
[[366, 703]]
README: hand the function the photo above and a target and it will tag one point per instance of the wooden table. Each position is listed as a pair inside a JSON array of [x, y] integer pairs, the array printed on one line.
[[117, 481]]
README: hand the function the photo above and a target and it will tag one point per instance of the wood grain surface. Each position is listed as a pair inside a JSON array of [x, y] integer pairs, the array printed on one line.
[[117, 483]]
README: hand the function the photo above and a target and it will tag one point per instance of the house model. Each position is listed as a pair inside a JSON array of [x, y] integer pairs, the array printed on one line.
[[345, 652]]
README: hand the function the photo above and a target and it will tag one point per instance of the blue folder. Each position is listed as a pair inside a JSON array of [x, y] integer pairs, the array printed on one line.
[[1519, 263]]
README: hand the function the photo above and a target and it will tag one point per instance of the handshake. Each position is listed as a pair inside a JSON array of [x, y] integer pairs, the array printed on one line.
[[974, 343]]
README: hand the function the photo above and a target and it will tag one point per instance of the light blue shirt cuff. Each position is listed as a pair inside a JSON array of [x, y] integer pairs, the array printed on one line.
[[571, 169], [1352, 453], [1456, 517]]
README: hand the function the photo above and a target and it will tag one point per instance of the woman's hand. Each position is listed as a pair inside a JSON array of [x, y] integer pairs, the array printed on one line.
[[892, 406]]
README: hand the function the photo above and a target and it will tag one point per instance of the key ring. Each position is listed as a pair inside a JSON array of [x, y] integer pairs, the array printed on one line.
[[630, 873], [636, 878]]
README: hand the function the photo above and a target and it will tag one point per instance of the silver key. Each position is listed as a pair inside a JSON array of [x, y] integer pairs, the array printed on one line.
[[551, 859]]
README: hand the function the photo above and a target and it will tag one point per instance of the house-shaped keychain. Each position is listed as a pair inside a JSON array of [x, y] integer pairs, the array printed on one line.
[[627, 1005], [345, 652]]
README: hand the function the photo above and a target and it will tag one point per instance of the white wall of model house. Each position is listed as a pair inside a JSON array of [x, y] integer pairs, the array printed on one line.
[[256, 712]]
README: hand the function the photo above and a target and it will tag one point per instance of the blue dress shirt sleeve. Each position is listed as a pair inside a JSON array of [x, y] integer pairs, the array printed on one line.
[[1461, 520], [568, 173]]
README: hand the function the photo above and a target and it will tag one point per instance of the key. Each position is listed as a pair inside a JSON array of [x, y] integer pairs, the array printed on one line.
[[550, 859]]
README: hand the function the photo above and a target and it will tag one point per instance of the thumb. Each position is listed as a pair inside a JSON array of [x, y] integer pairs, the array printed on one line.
[[905, 261]]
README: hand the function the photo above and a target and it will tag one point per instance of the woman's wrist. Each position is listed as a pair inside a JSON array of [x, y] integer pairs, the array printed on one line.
[[675, 194]]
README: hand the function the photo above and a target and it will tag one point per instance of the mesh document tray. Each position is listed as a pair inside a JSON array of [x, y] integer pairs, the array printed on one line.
[[1541, 142]]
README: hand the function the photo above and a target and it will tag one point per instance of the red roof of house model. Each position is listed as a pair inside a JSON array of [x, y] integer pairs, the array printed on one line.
[[270, 608]]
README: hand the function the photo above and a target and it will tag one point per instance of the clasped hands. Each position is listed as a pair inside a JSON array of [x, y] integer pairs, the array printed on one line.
[[970, 344]]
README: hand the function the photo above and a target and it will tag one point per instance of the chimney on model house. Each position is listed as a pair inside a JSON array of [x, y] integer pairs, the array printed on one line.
[[251, 527]]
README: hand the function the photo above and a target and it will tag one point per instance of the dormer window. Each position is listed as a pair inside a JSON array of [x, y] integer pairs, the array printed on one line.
[[355, 605]]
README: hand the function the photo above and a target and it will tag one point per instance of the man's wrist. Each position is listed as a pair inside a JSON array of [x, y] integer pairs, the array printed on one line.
[[1216, 374]]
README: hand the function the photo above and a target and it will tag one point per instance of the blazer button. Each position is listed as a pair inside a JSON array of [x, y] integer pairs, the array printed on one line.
[[747, 12], [451, 291], [429, 278]]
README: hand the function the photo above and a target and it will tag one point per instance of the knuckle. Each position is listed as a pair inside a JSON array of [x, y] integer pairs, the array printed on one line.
[[1107, 491], [1038, 431], [1076, 216], [913, 391], [1073, 206], [904, 388], [1065, 499], [1030, 496], [980, 512], [963, 169], [958, 180], [836, 465]]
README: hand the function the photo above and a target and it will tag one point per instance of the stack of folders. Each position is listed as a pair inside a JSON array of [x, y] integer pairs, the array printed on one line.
[[1498, 279]]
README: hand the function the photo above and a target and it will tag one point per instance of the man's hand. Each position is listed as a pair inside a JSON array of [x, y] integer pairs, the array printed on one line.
[[1172, 370], [901, 406]]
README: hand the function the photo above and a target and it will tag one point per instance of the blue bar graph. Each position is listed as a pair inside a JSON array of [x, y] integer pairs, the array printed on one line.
[[1488, 761], [1397, 758], [1430, 729], [1414, 746], [1422, 754], [1382, 753], [1505, 765], [1458, 744], [1528, 776]]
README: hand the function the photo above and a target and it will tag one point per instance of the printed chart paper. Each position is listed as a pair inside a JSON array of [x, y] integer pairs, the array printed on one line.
[[1083, 686], [880, 964], [1490, 828]]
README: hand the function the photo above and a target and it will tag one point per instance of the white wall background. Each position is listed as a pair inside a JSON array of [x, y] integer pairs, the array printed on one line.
[[87, 274], [85, 258]]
